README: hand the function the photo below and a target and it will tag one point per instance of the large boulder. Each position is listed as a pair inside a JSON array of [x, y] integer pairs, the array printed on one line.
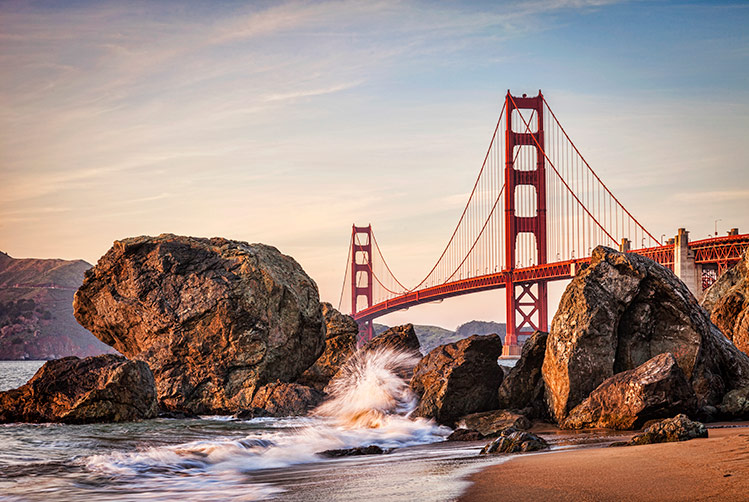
[[622, 310], [458, 379], [727, 302], [340, 344], [735, 404], [402, 338], [104, 388], [282, 399], [215, 319], [655, 389], [523, 386]]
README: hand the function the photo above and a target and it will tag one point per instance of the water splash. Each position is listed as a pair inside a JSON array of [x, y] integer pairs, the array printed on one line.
[[371, 390], [370, 404]]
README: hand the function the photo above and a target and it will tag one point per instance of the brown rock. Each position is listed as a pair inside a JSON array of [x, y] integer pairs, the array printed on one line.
[[622, 310], [340, 344], [281, 399], [514, 441], [735, 404], [372, 449], [491, 423], [727, 302], [678, 428], [459, 378], [655, 389], [461, 434], [104, 388], [397, 338], [215, 319], [523, 386]]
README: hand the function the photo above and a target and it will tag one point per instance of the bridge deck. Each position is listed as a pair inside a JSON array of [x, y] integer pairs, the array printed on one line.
[[720, 250]]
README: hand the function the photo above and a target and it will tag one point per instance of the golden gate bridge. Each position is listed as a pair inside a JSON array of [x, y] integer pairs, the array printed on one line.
[[536, 212]]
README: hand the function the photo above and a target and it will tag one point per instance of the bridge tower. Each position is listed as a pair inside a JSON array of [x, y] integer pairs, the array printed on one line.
[[527, 305], [361, 275]]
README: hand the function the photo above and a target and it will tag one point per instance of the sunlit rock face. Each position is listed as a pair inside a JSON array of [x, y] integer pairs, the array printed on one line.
[[104, 388], [727, 302], [619, 312], [214, 318], [655, 389]]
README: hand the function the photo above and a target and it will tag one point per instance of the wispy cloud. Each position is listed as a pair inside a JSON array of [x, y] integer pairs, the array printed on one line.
[[713, 197]]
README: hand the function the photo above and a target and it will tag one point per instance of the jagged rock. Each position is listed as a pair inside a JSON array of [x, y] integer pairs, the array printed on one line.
[[513, 441], [622, 310], [340, 344], [215, 319], [104, 388], [281, 399], [491, 423], [655, 389], [397, 338], [459, 378], [360, 450], [727, 302], [678, 428], [735, 405], [523, 386], [465, 435]]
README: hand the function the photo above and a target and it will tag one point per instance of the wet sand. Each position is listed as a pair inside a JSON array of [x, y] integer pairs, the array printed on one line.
[[716, 468]]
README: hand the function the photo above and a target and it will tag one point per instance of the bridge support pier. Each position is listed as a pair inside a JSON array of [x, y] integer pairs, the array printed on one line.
[[361, 276], [685, 267]]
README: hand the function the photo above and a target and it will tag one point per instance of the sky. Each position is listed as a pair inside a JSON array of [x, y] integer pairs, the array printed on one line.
[[287, 122]]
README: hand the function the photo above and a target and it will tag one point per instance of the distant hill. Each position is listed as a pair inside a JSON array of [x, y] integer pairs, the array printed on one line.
[[36, 310], [431, 337]]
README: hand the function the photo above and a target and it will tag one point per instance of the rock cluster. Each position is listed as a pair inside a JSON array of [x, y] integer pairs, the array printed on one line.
[[514, 441], [727, 302], [215, 319], [104, 388], [459, 378], [618, 313]]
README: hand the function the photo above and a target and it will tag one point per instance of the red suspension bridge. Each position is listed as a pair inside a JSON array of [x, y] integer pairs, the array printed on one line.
[[536, 212]]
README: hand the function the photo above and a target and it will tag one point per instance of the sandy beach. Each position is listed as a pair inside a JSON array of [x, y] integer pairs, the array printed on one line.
[[716, 468]]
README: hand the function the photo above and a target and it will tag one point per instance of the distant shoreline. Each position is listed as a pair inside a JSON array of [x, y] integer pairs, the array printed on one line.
[[716, 468]]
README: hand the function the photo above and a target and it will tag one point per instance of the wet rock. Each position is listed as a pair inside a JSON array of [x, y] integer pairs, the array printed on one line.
[[458, 378], [513, 441], [678, 428], [655, 389], [397, 338], [465, 435], [282, 399], [619, 312], [523, 386], [727, 302], [491, 423], [104, 388], [347, 452], [735, 404], [340, 344], [215, 319]]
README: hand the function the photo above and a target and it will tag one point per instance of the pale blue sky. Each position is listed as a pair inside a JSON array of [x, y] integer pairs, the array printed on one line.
[[287, 122]]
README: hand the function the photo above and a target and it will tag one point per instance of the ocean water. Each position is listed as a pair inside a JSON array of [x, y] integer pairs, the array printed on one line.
[[220, 458]]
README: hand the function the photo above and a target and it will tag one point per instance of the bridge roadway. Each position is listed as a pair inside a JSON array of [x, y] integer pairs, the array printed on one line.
[[719, 251]]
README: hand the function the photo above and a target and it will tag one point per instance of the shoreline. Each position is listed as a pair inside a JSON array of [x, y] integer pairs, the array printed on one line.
[[715, 468]]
